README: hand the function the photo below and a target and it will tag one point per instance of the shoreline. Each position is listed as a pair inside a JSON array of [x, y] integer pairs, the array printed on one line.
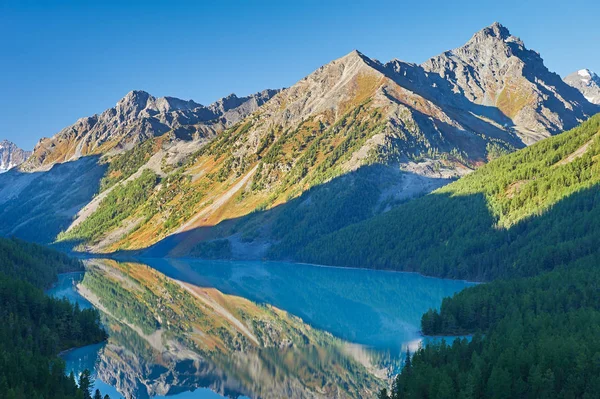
[[87, 255]]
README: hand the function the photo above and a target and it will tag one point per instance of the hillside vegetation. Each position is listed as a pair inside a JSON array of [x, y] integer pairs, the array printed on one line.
[[536, 325], [349, 114], [540, 340], [35, 327], [538, 203]]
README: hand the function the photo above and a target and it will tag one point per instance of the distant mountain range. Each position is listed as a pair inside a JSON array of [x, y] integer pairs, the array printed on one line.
[[351, 140], [137, 117], [11, 155]]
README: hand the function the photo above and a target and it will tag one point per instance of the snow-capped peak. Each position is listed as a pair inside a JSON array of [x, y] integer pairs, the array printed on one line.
[[584, 73]]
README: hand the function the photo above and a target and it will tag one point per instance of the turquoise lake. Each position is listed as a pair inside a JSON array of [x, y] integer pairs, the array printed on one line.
[[376, 313]]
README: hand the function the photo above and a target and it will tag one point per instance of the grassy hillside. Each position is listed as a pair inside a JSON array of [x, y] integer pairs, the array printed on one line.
[[538, 203], [346, 115]]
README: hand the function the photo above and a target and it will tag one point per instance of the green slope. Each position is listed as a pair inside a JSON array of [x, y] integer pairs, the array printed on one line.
[[531, 216], [36, 327], [538, 203], [540, 340]]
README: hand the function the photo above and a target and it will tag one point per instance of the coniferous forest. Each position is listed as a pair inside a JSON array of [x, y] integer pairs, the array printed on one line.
[[534, 337], [535, 326], [519, 215], [35, 327]]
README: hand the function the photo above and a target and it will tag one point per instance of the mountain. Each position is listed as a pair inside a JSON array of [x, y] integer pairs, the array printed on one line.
[[343, 116], [349, 141], [587, 82], [137, 117], [495, 69], [520, 215], [11, 155], [343, 120]]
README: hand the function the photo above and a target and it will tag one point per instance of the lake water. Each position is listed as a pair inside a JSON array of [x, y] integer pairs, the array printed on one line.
[[358, 321]]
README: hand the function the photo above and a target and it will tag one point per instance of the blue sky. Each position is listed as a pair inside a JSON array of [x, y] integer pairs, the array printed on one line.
[[62, 60]]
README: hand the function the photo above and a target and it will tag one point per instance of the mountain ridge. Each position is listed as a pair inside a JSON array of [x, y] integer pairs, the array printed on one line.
[[137, 117], [423, 125]]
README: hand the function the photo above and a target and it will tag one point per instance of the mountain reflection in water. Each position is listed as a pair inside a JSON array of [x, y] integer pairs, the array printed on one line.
[[252, 328]]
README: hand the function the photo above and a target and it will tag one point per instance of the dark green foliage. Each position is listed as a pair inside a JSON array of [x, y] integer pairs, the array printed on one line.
[[34, 263], [175, 184], [323, 209], [118, 205], [483, 306], [217, 249], [533, 213], [36, 327], [223, 142], [121, 303], [523, 206], [541, 340], [265, 142]]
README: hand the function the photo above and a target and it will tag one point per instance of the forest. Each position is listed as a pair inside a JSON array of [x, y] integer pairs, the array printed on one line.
[[527, 222], [534, 337], [36, 327], [540, 203]]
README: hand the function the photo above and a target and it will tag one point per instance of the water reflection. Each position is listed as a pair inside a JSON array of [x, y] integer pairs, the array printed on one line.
[[375, 308], [232, 327]]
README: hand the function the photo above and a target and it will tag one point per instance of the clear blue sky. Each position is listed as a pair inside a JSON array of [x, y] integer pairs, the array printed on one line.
[[62, 60]]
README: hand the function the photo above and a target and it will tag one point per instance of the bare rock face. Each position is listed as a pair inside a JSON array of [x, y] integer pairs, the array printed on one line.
[[495, 69], [11, 155], [137, 117], [587, 82]]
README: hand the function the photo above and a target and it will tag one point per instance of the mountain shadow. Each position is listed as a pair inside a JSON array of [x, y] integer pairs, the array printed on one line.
[[440, 234], [37, 206], [280, 231], [456, 236]]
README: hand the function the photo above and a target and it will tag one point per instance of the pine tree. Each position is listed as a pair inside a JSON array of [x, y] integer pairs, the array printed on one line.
[[86, 383]]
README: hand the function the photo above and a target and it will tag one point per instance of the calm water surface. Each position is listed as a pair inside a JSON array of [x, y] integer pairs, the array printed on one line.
[[375, 314]]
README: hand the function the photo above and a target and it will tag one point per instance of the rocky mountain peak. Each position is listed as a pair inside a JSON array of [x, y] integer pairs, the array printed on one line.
[[226, 103], [587, 82], [11, 155], [586, 76], [495, 30], [357, 56], [169, 104], [495, 69], [133, 103], [137, 117]]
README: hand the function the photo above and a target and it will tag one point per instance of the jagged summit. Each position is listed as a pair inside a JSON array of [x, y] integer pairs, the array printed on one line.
[[11, 155], [587, 82], [495, 69], [139, 100], [588, 74], [496, 30], [437, 120], [139, 116]]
